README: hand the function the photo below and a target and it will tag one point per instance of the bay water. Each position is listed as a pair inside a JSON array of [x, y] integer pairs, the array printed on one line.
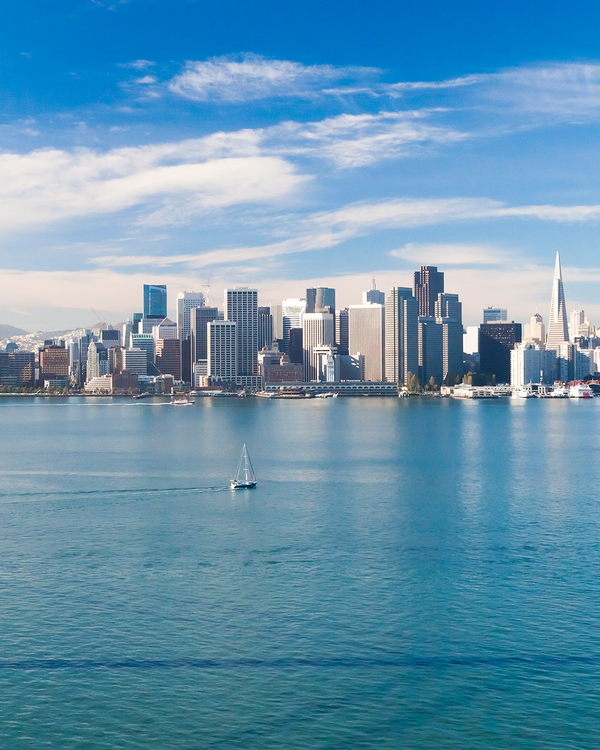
[[408, 573]]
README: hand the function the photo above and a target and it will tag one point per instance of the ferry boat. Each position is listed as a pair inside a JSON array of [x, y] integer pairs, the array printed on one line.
[[580, 391], [521, 393], [182, 402], [245, 478]]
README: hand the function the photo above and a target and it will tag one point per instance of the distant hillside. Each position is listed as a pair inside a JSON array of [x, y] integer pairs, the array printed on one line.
[[7, 331]]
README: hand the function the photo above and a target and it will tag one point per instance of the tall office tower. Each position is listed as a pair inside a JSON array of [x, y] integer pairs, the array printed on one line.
[[320, 299], [292, 311], [155, 301], [535, 331], [558, 330], [241, 307], [428, 283], [222, 350], [366, 336], [277, 316], [374, 295], [200, 317], [448, 306], [167, 357], [164, 329], [318, 329], [135, 361], [496, 340], [431, 351], [126, 332], [97, 361], [576, 319], [448, 313], [265, 328], [145, 341], [186, 302], [493, 314], [296, 352], [135, 322], [401, 335], [341, 331]]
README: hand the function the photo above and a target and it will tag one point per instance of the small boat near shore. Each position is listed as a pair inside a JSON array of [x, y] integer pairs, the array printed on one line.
[[245, 478], [182, 402]]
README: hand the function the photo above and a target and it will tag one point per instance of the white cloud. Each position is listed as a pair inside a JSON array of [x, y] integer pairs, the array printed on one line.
[[359, 140], [137, 64], [328, 229], [146, 79], [254, 77], [221, 170], [451, 254]]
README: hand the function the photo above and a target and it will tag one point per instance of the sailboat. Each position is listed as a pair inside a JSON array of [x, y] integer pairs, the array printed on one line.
[[245, 478]]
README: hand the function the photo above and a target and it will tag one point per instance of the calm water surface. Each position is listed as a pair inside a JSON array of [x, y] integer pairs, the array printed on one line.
[[407, 574]]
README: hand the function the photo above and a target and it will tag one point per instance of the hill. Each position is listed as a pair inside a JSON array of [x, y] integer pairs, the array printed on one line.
[[7, 331]]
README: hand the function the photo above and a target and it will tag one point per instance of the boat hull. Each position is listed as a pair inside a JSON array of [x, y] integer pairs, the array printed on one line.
[[242, 485]]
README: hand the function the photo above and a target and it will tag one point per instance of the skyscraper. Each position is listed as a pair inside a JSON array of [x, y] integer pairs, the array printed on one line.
[[265, 328], [318, 329], [428, 283], [155, 301], [241, 307], [186, 301], [221, 349], [431, 354], [320, 299], [558, 328], [341, 331], [292, 311], [366, 335], [401, 335], [535, 331], [448, 313]]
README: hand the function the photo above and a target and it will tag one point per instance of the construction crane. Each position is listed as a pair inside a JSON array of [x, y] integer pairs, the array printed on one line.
[[99, 318]]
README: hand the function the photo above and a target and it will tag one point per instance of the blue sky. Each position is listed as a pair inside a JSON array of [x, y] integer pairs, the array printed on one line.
[[283, 145]]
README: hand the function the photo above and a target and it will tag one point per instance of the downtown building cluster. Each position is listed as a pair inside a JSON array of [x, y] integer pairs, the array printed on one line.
[[411, 338]]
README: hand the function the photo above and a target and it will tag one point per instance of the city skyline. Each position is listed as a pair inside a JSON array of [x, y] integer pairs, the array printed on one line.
[[244, 154]]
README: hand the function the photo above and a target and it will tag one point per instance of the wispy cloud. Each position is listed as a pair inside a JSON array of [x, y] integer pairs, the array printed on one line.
[[222, 170], [252, 77], [328, 229], [137, 64], [451, 254]]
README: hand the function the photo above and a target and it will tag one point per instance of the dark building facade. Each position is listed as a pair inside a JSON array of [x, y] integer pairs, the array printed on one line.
[[496, 341], [341, 331], [428, 283], [199, 317], [265, 327], [17, 369], [54, 363], [296, 351]]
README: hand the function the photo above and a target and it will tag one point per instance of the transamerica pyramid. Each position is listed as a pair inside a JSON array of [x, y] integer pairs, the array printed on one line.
[[558, 329]]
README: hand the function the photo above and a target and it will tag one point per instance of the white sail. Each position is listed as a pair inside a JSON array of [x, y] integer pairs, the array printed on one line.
[[244, 476]]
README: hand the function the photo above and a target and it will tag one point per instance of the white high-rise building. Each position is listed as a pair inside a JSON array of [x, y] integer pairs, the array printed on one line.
[[186, 301], [222, 350], [401, 335], [535, 331], [241, 307], [318, 330], [558, 329], [366, 335], [576, 319], [292, 311], [525, 364]]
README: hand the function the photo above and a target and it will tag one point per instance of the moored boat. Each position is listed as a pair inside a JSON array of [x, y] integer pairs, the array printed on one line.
[[580, 391]]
